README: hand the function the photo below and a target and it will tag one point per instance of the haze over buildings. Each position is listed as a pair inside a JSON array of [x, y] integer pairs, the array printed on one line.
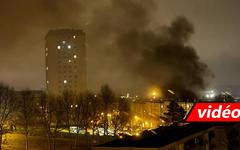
[[216, 36], [65, 61]]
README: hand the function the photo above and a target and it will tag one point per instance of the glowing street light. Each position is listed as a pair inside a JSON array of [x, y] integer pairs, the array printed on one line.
[[137, 134], [154, 92], [136, 117]]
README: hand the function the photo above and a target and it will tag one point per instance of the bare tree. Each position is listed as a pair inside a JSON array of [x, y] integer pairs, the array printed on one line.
[[56, 105], [108, 99], [52, 117], [27, 110], [95, 111], [46, 113], [7, 107], [120, 115], [82, 114], [67, 101], [77, 115], [86, 112]]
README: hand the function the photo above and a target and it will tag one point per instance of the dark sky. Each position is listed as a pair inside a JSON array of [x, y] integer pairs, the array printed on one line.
[[25, 23]]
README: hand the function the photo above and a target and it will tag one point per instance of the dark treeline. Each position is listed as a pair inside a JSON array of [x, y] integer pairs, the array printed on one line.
[[86, 111], [55, 116]]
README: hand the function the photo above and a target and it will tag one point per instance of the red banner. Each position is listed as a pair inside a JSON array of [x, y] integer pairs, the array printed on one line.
[[214, 112]]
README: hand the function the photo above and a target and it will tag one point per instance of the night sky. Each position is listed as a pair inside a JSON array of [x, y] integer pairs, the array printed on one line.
[[24, 25]]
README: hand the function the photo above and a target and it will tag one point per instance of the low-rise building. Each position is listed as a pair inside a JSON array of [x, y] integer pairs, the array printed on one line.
[[145, 114]]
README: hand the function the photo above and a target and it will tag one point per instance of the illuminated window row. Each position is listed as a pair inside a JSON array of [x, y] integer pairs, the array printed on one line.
[[64, 81], [60, 47]]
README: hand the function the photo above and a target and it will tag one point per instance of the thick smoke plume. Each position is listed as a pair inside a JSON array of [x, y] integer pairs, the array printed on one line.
[[126, 47], [165, 58], [158, 56]]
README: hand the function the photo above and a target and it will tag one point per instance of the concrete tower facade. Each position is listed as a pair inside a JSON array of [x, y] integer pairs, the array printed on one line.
[[65, 61]]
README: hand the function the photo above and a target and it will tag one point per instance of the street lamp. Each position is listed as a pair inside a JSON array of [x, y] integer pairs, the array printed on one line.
[[154, 95], [154, 92], [136, 117]]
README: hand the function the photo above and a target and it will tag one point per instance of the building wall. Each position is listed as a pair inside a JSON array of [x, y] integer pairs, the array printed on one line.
[[65, 61], [147, 113]]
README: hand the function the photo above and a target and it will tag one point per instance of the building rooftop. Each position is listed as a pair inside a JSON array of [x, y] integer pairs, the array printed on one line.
[[160, 137], [65, 32]]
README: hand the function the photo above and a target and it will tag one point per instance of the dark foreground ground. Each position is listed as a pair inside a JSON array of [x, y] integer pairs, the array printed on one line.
[[16, 141]]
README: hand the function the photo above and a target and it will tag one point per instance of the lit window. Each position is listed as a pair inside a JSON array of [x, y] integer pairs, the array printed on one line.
[[46, 54], [65, 81], [46, 68], [74, 37], [69, 46], [69, 60], [47, 82], [46, 49], [63, 42], [75, 56], [58, 47]]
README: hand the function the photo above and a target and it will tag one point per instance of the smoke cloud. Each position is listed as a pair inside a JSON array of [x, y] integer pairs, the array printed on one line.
[[159, 56], [125, 46], [165, 58]]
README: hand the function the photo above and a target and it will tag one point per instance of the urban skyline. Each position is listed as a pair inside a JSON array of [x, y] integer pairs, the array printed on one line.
[[119, 75]]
